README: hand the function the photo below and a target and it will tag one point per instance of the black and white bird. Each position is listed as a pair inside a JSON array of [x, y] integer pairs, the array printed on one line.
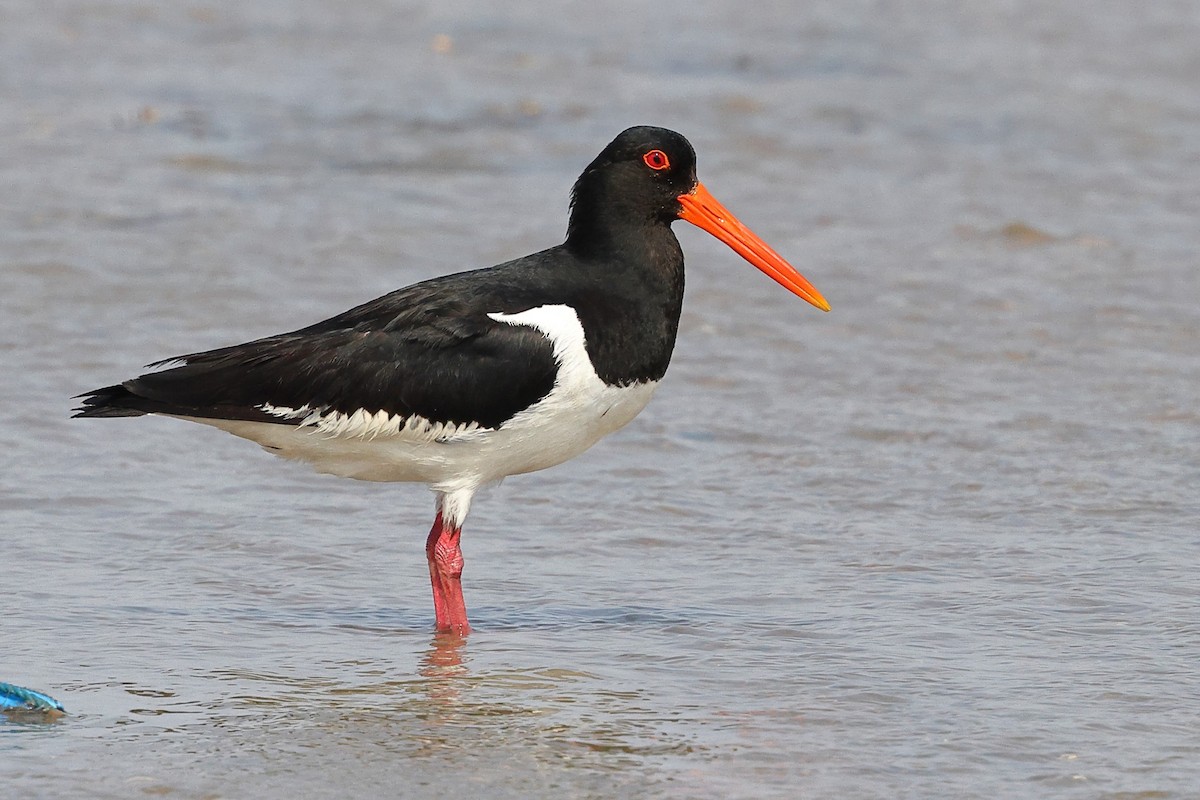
[[462, 380]]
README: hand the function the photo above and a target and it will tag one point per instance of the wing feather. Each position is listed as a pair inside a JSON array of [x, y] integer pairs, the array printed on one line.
[[421, 351]]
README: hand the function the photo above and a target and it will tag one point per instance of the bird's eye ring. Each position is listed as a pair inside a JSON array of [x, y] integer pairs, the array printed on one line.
[[657, 160]]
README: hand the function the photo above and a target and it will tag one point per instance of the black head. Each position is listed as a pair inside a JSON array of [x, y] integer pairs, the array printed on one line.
[[636, 179], [645, 180]]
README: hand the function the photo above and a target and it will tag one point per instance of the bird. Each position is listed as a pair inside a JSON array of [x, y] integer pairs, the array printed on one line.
[[464, 379]]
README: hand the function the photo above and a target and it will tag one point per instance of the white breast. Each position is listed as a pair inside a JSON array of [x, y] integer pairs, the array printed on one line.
[[579, 410]]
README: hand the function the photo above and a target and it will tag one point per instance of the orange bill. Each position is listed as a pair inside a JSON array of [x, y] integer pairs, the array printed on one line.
[[702, 210]]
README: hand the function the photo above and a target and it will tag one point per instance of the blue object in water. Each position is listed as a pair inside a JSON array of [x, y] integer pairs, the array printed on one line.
[[16, 698]]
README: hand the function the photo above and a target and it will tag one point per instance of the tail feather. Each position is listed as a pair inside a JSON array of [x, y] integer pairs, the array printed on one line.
[[113, 401], [133, 399]]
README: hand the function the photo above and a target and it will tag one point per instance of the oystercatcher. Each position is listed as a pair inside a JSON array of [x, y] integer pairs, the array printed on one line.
[[465, 379]]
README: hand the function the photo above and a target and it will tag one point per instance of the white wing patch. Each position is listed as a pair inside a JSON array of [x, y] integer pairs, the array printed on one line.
[[561, 326], [363, 424]]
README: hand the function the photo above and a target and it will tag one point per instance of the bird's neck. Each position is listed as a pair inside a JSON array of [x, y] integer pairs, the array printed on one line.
[[632, 307], [599, 234]]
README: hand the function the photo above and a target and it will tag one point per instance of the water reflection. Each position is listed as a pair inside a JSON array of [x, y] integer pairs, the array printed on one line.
[[445, 656], [467, 704], [443, 666]]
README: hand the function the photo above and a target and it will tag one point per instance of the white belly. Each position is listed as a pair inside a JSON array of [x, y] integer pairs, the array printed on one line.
[[579, 410]]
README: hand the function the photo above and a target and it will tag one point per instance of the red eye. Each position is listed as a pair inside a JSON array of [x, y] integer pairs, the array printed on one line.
[[657, 160]]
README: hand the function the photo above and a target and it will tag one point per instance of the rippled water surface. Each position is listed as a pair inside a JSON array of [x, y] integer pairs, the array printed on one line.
[[941, 542]]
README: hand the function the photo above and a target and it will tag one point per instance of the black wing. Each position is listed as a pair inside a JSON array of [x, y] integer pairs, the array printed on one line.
[[429, 350]]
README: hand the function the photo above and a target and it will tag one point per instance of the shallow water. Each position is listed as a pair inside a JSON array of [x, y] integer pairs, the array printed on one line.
[[939, 542]]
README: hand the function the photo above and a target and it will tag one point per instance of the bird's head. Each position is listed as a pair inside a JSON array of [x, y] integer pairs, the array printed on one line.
[[647, 175]]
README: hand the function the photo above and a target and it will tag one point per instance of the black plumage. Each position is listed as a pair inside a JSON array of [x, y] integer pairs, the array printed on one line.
[[432, 350]]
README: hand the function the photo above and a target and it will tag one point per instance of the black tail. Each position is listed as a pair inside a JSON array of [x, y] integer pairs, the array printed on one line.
[[165, 393], [114, 401]]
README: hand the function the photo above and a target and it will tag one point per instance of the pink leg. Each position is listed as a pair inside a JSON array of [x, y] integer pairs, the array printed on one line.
[[445, 574]]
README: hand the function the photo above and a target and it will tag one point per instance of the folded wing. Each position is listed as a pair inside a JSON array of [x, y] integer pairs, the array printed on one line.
[[413, 352]]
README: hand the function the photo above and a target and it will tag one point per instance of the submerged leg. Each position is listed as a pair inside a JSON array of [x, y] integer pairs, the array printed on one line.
[[445, 571]]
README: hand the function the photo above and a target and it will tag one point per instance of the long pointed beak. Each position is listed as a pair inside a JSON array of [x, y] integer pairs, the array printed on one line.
[[702, 210]]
